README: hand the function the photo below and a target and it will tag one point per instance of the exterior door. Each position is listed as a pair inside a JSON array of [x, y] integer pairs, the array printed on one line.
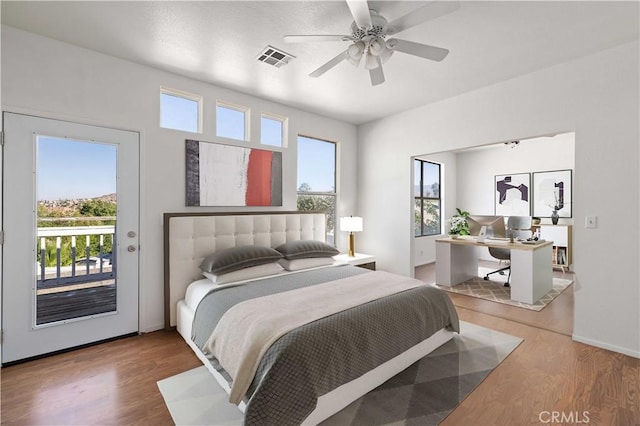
[[70, 221]]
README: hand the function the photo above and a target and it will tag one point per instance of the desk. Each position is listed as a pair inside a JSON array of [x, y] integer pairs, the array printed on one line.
[[531, 271]]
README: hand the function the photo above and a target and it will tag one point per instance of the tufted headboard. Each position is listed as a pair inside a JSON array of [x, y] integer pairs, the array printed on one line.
[[190, 237]]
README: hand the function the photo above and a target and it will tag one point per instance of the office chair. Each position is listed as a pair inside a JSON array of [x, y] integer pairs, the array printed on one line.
[[518, 227]]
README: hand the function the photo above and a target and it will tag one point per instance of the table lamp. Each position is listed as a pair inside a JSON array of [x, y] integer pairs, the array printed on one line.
[[351, 224]]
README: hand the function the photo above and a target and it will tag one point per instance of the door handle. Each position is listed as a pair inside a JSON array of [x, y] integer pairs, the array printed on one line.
[[131, 234], [131, 248]]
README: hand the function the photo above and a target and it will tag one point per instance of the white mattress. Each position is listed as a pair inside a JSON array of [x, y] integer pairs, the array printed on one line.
[[196, 291], [333, 401]]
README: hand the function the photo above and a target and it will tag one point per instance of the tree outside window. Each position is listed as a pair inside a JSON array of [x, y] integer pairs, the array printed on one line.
[[427, 198], [317, 179]]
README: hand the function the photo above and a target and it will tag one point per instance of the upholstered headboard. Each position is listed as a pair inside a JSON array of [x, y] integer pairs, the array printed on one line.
[[190, 237]]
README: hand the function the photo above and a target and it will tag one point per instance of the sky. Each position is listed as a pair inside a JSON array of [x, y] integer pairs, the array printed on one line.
[[431, 176], [314, 156], [68, 169], [178, 113]]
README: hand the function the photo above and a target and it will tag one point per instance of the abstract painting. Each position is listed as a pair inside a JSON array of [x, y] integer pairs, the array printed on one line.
[[513, 195], [227, 175], [551, 189]]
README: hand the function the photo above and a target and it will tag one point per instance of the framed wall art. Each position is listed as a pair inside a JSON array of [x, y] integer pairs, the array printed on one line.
[[513, 195], [227, 175], [552, 190]]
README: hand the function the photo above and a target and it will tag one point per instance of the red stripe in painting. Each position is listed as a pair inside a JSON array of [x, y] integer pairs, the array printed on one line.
[[259, 178]]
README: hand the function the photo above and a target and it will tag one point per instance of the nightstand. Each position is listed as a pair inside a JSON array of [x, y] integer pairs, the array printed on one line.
[[361, 260]]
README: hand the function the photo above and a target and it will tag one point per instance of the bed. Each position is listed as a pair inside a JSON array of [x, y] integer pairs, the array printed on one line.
[[311, 370]]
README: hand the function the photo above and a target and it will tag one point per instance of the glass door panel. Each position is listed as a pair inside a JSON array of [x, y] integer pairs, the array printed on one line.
[[76, 220]]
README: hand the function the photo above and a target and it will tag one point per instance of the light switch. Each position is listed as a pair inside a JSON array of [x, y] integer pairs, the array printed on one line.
[[591, 222]]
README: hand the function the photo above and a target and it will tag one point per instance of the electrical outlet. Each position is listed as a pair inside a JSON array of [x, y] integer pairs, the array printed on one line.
[[591, 222]]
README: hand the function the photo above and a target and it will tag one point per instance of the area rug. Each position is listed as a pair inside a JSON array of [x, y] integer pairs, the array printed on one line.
[[495, 290], [424, 394]]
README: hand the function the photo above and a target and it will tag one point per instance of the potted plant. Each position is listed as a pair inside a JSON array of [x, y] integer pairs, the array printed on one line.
[[458, 224]]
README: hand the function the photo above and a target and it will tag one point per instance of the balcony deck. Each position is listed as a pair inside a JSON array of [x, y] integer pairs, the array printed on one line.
[[86, 287], [75, 303]]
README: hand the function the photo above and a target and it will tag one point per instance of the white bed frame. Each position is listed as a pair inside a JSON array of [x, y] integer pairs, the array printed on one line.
[[190, 237]]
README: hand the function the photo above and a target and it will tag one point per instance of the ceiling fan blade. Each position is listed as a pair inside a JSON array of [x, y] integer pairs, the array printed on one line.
[[332, 63], [360, 11], [314, 38], [376, 74], [430, 11], [418, 49]]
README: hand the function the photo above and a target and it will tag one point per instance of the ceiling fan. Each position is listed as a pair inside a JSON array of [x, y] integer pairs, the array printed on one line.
[[368, 37]]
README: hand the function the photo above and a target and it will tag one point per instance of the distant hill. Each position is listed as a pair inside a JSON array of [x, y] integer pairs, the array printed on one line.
[[70, 207], [111, 198]]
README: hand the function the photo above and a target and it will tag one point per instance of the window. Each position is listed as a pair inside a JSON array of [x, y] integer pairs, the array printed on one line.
[[180, 110], [273, 130], [427, 195], [232, 121], [317, 179]]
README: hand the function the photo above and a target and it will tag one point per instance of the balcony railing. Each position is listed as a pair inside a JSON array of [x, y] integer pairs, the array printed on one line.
[[84, 267]]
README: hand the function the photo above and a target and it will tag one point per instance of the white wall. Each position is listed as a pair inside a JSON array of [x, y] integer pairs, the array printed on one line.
[[1, 174], [477, 168], [45, 77], [597, 97]]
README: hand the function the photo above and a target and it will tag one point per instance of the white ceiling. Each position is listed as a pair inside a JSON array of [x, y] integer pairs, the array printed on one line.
[[218, 42]]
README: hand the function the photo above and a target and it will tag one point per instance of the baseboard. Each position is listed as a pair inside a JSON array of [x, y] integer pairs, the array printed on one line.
[[609, 347], [152, 328]]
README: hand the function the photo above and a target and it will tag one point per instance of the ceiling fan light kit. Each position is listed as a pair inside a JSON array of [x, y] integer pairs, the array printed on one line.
[[368, 32], [355, 52]]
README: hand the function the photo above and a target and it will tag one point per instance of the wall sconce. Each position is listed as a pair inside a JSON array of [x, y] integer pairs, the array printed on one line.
[[351, 224]]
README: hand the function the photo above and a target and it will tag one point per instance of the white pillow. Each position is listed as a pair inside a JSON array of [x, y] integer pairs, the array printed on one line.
[[245, 274], [309, 262]]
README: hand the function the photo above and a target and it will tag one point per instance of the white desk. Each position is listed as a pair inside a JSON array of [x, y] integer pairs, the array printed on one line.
[[531, 271]]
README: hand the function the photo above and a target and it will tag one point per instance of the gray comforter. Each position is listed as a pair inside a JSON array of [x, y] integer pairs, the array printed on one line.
[[316, 358]]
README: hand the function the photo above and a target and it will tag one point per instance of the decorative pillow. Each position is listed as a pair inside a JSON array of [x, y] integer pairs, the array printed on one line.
[[309, 262], [306, 248], [244, 274], [232, 259]]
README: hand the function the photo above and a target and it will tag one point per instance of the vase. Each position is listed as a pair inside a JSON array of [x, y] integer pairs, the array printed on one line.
[[555, 217], [454, 236]]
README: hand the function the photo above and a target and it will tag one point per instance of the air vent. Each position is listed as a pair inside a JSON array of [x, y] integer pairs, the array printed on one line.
[[276, 57]]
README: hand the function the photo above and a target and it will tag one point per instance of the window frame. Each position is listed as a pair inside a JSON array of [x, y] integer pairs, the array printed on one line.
[[333, 193], [169, 91], [422, 198], [247, 121], [285, 128]]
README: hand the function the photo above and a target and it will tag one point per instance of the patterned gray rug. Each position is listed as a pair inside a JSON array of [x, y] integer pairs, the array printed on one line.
[[423, 394], [495, 290]]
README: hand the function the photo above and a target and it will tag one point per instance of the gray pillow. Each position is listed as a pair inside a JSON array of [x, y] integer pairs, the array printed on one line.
[[306, 248], [237, 258]]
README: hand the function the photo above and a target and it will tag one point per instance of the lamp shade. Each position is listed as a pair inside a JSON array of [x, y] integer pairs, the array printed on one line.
[[351, 224], [355, 52]]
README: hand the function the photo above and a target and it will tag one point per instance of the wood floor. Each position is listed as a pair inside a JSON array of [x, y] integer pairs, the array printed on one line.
[[557, 316], [547, 375]]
